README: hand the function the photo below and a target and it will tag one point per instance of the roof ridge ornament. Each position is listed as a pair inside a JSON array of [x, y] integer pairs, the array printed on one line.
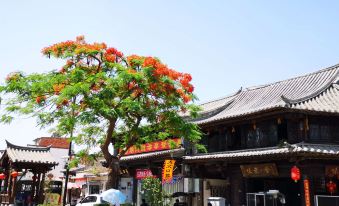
[[330, 82], [215, 111], [285, 99], [44, 149], [238, 92], [336, 85]]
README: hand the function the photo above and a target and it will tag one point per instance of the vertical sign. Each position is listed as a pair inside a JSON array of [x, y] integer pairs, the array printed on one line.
[[167, 171], [307, 192]]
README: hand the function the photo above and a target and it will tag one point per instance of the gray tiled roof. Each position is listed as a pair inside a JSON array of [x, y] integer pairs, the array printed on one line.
[[152, 155], [317, 91], [327, 101], [302, 149], [29, 154]]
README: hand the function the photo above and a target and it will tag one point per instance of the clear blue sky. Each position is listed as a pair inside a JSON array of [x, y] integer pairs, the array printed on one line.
[[223, 44]]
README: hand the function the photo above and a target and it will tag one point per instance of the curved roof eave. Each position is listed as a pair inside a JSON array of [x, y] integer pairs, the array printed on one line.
[[330, 82]]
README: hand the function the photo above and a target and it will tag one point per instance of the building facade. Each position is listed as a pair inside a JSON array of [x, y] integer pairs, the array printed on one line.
[[15, 163], [260, 139], [148, 161], [59, 147]]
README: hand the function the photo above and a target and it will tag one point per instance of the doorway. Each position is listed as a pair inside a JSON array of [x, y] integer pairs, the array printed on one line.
[[286, 186]]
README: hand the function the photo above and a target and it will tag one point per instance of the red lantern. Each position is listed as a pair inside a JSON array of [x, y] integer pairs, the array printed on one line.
[[331, 187], [14, 174], [295, 173], [2, 176]]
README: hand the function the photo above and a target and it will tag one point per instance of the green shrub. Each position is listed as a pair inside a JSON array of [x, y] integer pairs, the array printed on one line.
[[154, 195]]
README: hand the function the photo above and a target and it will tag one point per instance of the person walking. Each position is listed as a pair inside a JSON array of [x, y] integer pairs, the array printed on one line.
[[143, 203], [176, 202]]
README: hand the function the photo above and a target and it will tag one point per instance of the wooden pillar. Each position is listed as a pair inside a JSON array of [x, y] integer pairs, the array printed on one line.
[[41, 189], [10, 189], [6, 183], [33, 186], [37, 185], [14, 187], [135, 190], [238, 193]]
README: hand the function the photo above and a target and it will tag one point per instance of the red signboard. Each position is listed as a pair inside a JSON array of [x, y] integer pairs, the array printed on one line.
[[167, 171], [143, 173], [152, 146], [307, 192]]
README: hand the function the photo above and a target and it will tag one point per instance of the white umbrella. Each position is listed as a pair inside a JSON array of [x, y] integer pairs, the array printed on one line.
[[71, 185], [114, 197]]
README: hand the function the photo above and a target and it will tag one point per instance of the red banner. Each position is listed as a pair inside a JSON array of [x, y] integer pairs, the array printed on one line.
[[152, 147], [307, 192], [167, 171], [143, 173]]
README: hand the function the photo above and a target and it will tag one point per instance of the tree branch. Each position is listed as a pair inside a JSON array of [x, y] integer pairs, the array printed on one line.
[[105, 145], [132, 140], [99, 61]]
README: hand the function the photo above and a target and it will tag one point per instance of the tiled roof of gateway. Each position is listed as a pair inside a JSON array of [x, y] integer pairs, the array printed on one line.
[[53, 142], [318, 91], [29, 154], [151, 155], [302, 149]]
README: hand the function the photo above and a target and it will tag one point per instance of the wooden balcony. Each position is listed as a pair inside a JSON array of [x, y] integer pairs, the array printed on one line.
[[4, 199]]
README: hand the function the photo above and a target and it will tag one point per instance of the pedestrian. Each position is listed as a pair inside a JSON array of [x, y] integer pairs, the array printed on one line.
[[143, 203], [209, 204], [176, 202]]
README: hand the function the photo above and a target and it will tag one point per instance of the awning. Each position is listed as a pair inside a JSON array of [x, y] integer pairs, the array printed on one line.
[[82, 177], [73, 185], [151, 155], [288, 150]]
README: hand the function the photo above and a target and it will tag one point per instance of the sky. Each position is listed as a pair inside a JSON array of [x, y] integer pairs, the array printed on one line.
[[224, 44]]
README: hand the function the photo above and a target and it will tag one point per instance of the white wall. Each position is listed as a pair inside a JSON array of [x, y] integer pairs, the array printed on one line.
[[212, 182], [58, 155], [127, 190]]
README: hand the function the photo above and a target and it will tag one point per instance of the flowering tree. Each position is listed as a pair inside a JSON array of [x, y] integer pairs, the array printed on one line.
[[101, 97]]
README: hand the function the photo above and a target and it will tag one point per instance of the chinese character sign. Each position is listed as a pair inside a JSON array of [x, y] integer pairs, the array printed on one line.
[[259, 170], [307, 192], [143, 173], [153, 146], [332, 171], [167, 171]]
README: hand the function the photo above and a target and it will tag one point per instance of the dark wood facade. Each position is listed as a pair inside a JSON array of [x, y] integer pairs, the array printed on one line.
[[271, 131], [255, 136]]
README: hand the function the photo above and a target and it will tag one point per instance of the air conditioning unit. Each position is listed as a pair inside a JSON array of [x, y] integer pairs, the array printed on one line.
[[191, 185], [196, 184]]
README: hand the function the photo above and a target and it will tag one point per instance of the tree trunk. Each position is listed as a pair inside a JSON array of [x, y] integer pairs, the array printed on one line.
[[113, 174], [112, 161]]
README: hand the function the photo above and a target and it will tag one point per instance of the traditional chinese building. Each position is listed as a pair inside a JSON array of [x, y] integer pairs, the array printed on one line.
[[15, 163], [59, 147], [276, 142], [148, 161]]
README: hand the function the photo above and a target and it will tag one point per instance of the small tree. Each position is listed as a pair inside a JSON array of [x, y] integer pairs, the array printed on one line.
[[153, 192], [104, 98]]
